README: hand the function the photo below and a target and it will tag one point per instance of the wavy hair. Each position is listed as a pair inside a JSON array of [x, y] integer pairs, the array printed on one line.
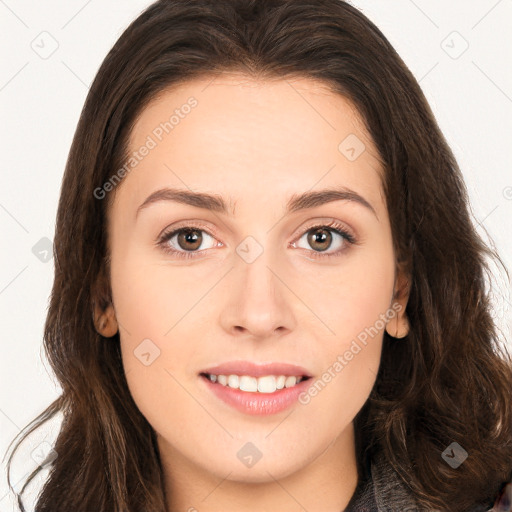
[[448, 381]]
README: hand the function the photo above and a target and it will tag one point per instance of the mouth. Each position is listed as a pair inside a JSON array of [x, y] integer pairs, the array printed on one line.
[[256, 389], [251, 384]]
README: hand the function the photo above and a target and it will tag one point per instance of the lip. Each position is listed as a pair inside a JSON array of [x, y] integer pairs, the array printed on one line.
[[257, 370], [257, 404]]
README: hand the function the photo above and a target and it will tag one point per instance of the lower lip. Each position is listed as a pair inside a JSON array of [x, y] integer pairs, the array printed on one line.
[[255, 403]]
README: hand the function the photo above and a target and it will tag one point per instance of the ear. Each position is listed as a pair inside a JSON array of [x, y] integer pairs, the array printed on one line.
[[398, 326], [104, 317]]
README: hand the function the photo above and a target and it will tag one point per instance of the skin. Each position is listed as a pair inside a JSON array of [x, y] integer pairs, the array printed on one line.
[[255, 144]]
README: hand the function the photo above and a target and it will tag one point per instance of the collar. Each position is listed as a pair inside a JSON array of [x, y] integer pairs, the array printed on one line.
[[380, 489]]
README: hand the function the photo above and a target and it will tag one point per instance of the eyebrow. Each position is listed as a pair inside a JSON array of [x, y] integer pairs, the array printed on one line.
[[216, 203]]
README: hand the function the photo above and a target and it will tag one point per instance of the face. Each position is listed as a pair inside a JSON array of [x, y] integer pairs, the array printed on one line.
[[270, 286]]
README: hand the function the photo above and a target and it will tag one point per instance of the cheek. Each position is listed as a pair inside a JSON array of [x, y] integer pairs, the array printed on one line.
[[363, 303], [351, 297], [154, 353], [340, 392], [152, 298], [153, 305], [351, 360], [353, 306], [154, 310]]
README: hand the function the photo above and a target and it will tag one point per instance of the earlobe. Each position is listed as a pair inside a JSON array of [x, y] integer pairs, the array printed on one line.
[[105, 321], [398, 326], [104, 316]]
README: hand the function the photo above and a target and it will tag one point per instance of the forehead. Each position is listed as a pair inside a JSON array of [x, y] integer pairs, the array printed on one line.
[[250, 139]]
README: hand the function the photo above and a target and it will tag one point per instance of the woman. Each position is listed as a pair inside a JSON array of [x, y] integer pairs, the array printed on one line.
[[269, 294]]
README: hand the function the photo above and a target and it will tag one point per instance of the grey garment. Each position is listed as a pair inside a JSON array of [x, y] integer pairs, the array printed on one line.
[[390, 493], [381, 490]]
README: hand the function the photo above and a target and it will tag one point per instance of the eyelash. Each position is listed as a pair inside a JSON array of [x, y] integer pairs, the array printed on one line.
[[334, 226]]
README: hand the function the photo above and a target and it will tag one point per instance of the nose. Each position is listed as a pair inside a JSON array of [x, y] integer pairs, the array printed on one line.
[[258, 300]]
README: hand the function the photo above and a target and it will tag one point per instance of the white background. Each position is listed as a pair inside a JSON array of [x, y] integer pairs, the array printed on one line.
[[41, 99]]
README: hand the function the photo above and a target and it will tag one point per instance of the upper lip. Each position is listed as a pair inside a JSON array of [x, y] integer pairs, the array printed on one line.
[[256, 370]]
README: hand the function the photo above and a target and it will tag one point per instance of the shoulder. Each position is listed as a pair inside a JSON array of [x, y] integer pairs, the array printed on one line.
[[391, 494]]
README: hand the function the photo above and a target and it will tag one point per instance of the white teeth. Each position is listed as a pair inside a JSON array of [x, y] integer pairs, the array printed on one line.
[[266, 384], [290, 381], [233, 381], [248, 383]]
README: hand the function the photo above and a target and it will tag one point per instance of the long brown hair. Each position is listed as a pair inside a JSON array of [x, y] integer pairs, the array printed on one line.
[[448, 381]]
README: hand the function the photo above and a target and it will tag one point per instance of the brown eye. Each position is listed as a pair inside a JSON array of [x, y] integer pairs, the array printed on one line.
[[189, 239], [319, 239], [186, 241]]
